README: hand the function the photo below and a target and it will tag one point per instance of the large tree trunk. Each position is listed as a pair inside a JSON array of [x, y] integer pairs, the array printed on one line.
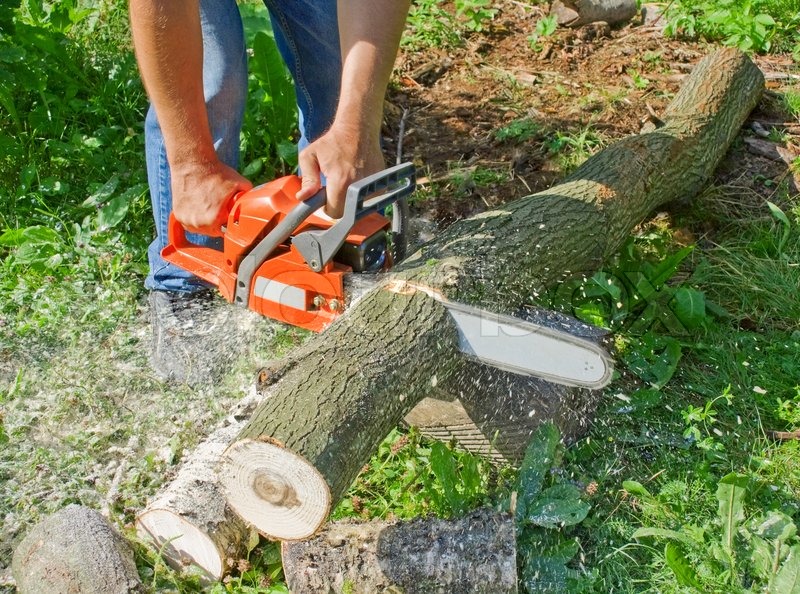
[[75, 550], [475, 554], [305, 444]]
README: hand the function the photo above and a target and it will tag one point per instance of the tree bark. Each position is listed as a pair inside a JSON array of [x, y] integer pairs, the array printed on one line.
[[475, 554], [75, 550], [305, 444], [576, 13]]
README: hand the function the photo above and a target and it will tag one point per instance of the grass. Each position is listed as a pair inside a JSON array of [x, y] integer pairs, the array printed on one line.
[[689, 415]]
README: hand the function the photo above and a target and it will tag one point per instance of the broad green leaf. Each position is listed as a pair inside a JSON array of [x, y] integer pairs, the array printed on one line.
[[777, 526], [689, 306], [544, 574], [761, 556], [102, 193], [663, 533], [731, 491], [764, 19], [787, 580], [679, 564], [443, 465], [112, 213], [667, 268], [557, 506], [539, 457], [636, 488]]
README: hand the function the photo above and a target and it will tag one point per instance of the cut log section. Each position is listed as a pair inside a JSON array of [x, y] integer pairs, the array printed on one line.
[[475, 554], [75, 550], [359, 379], [190, 522], [576, 13]]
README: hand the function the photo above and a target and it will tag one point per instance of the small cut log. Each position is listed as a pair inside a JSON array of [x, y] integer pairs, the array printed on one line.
[[475, 554], [75, 550]]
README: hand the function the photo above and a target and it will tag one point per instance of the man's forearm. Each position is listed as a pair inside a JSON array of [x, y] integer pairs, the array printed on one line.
[[370, 33], [169, 49]]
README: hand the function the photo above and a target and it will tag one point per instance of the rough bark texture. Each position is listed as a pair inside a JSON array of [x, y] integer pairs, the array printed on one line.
[[75, 550], [475, 554], [372, 366], [189, 522], [576, 13]]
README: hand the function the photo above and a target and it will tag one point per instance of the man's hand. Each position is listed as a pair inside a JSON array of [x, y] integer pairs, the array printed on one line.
[[369, 33], [201, 194], [343, 156]]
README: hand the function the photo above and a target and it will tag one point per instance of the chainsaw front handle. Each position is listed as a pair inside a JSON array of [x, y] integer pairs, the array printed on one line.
[[319, 247]]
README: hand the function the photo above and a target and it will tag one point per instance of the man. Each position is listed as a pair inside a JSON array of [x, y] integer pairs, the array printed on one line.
[[191, 55]]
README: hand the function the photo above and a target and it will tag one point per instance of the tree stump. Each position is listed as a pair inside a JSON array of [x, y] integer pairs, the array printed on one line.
[[475, 554], [303, 446], [75, 550]]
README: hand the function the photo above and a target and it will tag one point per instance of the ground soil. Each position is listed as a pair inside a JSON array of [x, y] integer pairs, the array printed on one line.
[[613, 80]]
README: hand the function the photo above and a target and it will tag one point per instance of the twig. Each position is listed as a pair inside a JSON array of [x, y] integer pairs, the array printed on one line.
[[401, 132], [784, 435]]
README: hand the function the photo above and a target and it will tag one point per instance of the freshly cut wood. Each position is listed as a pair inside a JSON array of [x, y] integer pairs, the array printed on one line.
[[576, 13], [189, 522], [75, 550], [475, 554], [359, 378]]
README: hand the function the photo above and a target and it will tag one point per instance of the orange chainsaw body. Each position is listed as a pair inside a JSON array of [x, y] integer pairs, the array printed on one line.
[[283, 286]]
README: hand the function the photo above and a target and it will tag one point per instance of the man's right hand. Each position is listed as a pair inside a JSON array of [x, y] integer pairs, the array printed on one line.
[[201, 194]]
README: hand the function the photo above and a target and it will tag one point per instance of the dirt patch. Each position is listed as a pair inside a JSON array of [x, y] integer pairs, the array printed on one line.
[[495, 119]]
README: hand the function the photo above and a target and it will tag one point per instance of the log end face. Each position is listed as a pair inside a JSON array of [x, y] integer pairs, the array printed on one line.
[[276, 491], [182, 544]]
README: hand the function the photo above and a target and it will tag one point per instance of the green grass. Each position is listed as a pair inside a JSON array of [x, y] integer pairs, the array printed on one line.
[[752, 25], [692, 402]]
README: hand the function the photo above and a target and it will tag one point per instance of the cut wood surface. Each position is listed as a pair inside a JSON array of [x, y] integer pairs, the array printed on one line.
[[576, 13], [475, 554], [189, 521], [356, 381], [75, 550]]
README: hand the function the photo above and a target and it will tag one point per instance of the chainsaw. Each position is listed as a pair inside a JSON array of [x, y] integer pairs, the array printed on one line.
[[287, 260]]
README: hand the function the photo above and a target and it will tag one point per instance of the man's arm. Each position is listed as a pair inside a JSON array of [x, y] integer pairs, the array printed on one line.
[[370, 34], [169, 49]]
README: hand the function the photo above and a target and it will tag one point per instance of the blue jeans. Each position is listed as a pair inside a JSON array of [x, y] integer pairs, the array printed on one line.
[[307, 35]]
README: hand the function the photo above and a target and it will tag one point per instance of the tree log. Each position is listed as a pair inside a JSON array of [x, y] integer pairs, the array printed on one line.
[[189, 521], [475, 554], [576, 13], [305, 444], [75, 550]]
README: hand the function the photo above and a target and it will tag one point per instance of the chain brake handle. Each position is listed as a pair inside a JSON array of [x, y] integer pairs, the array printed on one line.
[[319, 247]]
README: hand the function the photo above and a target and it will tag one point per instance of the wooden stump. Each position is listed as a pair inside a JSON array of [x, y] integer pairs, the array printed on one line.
[[475, 554], [75, 550]]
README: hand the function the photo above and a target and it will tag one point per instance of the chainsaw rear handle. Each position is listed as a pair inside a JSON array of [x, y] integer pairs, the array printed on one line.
[[319, 247]]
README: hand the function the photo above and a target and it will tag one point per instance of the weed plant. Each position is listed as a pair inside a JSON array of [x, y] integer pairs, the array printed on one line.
[[751, 25]]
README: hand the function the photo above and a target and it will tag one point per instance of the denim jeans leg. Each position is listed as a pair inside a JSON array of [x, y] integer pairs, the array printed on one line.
[[307, 36], [225, 89]]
